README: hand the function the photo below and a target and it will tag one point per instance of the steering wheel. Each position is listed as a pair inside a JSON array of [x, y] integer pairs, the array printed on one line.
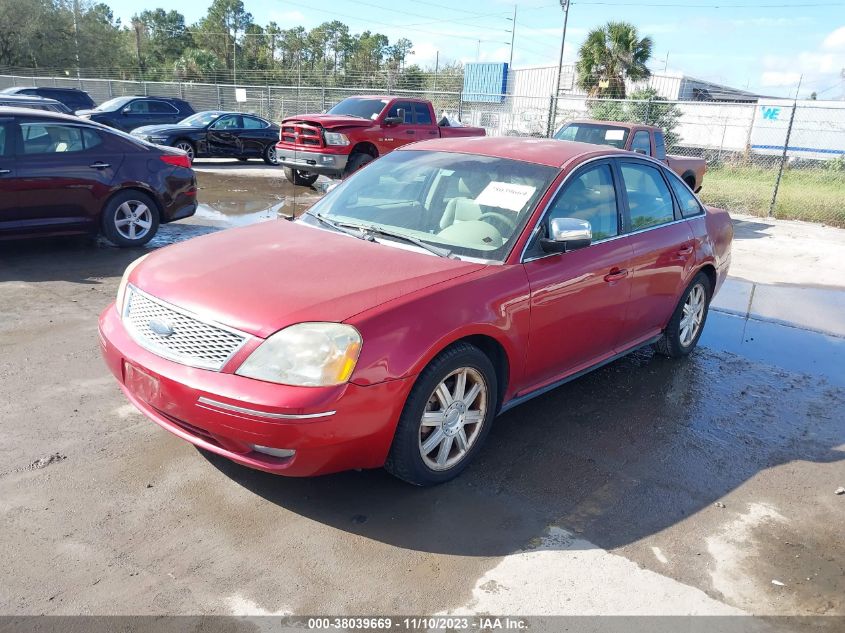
[[501, 217]]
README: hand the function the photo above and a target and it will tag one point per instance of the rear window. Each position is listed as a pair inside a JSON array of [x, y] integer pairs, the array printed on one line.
[[594, 134]]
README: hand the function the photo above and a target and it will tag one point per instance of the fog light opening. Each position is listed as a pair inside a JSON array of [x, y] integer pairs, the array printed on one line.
[[274, 452]]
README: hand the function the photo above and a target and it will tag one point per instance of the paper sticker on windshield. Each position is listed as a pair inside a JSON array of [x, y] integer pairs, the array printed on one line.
[[614, 135], [505, 195]]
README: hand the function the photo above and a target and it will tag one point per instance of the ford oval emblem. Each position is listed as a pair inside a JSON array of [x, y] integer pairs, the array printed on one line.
[[162, 327]]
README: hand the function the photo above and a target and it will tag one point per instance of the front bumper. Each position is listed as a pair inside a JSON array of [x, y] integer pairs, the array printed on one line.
[[331, 429], [325, 163]]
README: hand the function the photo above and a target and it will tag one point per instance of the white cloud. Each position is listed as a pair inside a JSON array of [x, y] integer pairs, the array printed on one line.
[[424, 54], [835, 41], [776, 78]]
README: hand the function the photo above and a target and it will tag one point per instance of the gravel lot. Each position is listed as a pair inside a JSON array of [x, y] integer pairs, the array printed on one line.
[[647, 487]]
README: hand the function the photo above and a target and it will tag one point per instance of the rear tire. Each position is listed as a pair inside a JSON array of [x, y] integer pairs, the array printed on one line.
[[440, 432], [187, 147], [356, 162], [269, 155], [130, 219], [299, 177], [687, 323]]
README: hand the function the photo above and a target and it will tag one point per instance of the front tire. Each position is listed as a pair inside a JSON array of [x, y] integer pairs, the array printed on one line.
[[299, 177], [687, 323], [130, 219], [356, 162], [446, 418]]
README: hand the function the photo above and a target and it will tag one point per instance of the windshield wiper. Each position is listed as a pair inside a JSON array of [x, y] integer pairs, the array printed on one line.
[[440, 252], [337, 226]]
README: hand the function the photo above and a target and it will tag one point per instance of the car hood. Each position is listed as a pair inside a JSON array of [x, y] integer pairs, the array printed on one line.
[[329, 120], [267, 276], [146, 130]]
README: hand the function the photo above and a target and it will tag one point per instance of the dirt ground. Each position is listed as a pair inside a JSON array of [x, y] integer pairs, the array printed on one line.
[[650, 486]]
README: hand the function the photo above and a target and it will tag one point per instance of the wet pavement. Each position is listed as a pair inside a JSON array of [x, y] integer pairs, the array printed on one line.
[[647, 486]]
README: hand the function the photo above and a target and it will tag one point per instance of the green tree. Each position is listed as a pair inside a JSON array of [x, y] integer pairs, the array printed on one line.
[[197, 65], [218, 30], [164, 36], [610, 55]]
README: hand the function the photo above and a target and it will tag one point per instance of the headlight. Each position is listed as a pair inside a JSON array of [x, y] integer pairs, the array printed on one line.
[[306, 355], [336, 138], [121, 289]]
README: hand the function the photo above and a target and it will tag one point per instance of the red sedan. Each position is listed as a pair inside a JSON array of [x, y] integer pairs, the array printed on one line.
[[447, 282]]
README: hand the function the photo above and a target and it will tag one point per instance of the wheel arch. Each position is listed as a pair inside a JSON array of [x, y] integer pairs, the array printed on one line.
[[710, 270], [365, 147]]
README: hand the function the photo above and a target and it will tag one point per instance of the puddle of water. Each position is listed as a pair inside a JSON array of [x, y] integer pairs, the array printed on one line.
[[780, 345]]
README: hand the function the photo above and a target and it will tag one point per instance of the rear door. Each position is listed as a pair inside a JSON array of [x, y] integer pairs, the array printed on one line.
[[578, 298], [663, 248], [222, 136], [8, 185], [162, 112], [63, 172], [254, 136], [426, 125]]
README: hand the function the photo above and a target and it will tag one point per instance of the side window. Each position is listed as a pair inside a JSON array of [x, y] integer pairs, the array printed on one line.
[[51, 138], [91, 138], [161, 107], [423, 114], [251, 123], [590, 196], [659, 145], [641, 142], [686, 200], [139, 107], [649, 199], [226, 123], [407, 107], [4, 146]]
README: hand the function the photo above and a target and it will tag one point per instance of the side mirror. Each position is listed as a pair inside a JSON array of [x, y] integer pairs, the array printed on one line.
[[567, 234], [126, 110], [393, 120]]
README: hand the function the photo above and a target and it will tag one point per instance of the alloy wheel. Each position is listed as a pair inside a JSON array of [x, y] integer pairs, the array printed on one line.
[[133, 220], [187, 148], [693, 314], [452, 419]]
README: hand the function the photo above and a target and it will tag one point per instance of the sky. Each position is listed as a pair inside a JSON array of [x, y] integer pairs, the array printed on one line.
[[764, 46]]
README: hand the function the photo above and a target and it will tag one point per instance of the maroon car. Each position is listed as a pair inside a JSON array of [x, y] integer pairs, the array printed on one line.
[[444, 283], [60, 175]]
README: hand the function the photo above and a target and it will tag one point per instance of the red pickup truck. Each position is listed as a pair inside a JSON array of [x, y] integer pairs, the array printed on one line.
[[643, 139], [354, 132]]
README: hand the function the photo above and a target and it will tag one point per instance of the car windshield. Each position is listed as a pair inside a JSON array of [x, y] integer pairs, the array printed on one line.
[[466, 205], [361, 108], [113, 104], [200, 119], [594, 133]]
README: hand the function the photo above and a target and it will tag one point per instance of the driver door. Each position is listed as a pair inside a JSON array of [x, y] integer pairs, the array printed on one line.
[[394, 136], [223, 136], [578, 298]]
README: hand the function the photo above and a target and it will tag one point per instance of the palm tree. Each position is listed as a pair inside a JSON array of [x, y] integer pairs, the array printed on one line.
[[609, 55]]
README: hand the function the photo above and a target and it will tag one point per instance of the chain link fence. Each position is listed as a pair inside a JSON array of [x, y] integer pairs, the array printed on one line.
[[771, 158]]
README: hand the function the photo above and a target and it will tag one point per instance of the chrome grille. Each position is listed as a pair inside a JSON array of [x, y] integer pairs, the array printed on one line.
[[192, 342]]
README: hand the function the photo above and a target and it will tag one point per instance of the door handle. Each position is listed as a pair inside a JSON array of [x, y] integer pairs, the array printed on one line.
[[410, 132], [3, 172], [616, 274], [99, 165]]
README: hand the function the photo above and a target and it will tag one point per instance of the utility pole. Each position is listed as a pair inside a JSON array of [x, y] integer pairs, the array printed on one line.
[[785, 148], [235, 57], [564, 4], [478, 52], [76, 35], [436, 68], [513, 35]]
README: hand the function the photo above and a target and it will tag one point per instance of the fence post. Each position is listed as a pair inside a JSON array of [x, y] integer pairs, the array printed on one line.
[[111, 90], [181, 93], [219, 101], [461, 105], [552, 116], [648, 112], [783, 159], [323, 97], [269, 103]]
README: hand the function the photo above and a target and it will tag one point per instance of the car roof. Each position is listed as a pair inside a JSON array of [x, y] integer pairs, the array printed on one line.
[[541, 151], [9, 96]]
